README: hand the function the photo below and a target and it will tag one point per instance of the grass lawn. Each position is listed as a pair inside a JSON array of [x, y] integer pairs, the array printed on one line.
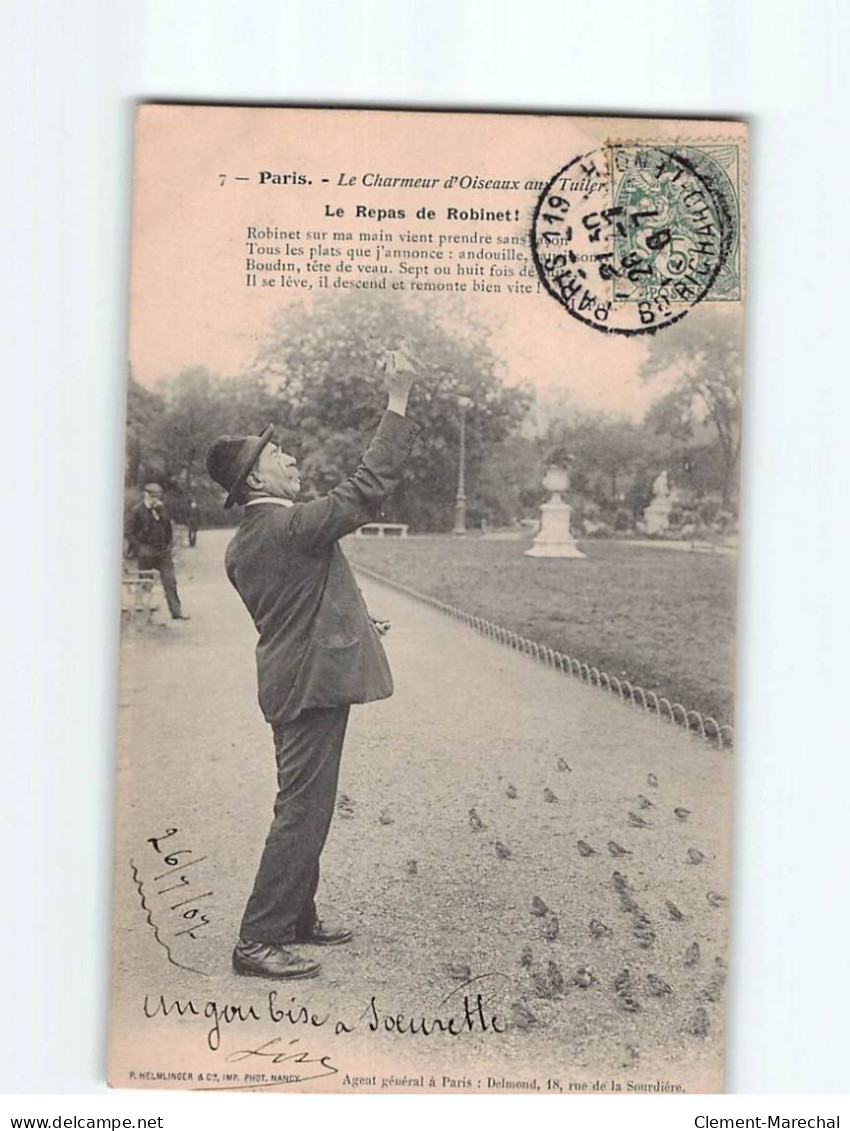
[[663, 619]]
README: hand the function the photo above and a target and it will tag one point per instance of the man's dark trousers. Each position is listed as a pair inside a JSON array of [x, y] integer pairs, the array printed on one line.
[[164, 563], [308, 752]]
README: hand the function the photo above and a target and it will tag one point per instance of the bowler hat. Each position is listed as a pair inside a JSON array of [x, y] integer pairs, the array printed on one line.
[[231, 458]]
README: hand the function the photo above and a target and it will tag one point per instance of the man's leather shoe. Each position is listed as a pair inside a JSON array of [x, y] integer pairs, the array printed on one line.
[[263, 960], [320, 935]]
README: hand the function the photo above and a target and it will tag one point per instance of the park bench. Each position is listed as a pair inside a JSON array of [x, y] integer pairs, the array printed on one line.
[[137, 596], [381, 529]]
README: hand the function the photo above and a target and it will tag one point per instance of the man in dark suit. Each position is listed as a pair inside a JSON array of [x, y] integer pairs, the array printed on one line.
[[318, 652], [150, 539]]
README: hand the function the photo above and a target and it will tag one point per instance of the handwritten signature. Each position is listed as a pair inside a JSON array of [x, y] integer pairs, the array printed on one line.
[[269, 1051]]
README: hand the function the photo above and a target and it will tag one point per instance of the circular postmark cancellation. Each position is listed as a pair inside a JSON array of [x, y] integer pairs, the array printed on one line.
[[630, 237]]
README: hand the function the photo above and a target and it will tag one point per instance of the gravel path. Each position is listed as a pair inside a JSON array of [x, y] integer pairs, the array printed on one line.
[[435, 899]]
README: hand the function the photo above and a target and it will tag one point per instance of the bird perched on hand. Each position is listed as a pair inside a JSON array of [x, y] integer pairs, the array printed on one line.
[[658, 986], [550, 928], [562, 765], [652, 780], [585, 849], [511, 792], [617, 849], [715, 899], [682, 813], [695, 856], [538, 907], [673, 910], [475, 822], [598, 929], [502, 851], [692, 954], [638, 822], [549, 796]]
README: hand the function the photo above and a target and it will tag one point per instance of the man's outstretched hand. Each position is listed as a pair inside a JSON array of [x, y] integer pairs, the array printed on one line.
[[400, 369]]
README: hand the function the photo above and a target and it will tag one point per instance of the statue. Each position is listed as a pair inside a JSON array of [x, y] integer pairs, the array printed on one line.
[[554, 539], [657, 515]]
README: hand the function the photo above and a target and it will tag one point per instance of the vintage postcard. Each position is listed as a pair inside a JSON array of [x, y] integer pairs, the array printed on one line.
[[426, 724]]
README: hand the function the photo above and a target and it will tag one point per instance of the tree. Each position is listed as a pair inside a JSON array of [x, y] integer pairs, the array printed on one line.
[[605, 448], [321, 365], [701, 356]]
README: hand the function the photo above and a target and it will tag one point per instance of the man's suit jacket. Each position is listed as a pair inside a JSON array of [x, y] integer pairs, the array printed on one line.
[[148, 536], [317, 646]]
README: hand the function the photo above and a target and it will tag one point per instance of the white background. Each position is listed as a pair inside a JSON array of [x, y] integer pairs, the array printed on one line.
[[73, 73]]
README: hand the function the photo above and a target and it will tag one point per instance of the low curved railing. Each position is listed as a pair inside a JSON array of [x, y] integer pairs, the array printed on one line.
[[705, 726]]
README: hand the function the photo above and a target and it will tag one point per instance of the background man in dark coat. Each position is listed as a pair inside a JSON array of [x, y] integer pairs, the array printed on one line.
[[150, 538], [318, 652]]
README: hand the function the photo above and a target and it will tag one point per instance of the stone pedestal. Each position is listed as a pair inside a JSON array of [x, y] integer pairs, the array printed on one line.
[[657, 516], [554, 539]]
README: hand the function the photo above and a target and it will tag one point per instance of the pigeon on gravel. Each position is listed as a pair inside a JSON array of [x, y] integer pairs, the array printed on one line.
[[526, 958], [715, 899], [556, 978], [645, 936], [673, 910], [521, 1016], [692, 954], [695, 856], [658, 986], [619, 881], [549, 795], [502, 851], [628, 1004], [385, 818], [627, 904], [551, 927], [644, 802], [638, 822], [652, 780], [585, 849], [714, 990], [542, 985], [411, 867], [698, 1025], [475, 822], [345, 806], [617, 849], [458, 970], [511, 792], [538, 907], [598, 929], [623, 982], [584, 977], [562, 765], [682, 813]]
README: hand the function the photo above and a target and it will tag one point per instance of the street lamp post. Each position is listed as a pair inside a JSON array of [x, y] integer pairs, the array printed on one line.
[[464, 403]]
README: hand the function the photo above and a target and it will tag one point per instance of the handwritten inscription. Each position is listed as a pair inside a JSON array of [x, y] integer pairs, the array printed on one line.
[[176, 881]]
